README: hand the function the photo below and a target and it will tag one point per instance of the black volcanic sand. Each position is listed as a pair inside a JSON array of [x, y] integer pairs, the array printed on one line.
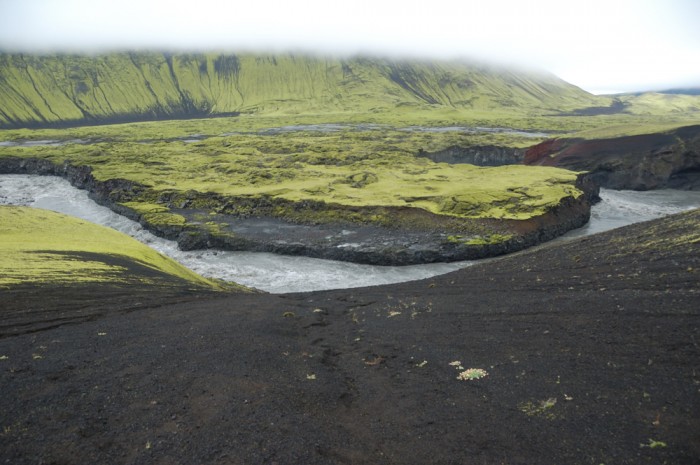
[[591, 349]]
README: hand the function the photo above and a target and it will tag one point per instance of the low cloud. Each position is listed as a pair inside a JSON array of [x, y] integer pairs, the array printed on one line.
[[624, 45]]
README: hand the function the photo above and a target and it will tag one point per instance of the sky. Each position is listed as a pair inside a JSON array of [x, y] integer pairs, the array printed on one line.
[[602, 46]]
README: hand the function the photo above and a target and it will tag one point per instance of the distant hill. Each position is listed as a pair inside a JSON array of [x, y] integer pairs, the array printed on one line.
[[55, 90], [678, 91], [683, 91]]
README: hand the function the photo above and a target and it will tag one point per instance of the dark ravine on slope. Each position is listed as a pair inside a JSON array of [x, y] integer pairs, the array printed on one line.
[[650, 161], [421, 237]]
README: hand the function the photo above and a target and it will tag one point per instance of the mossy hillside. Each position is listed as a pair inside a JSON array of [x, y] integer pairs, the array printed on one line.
[[39, 246], [52, 89], [623, 130], [274, 90], [348, 168], [647, 113], [652, 103]]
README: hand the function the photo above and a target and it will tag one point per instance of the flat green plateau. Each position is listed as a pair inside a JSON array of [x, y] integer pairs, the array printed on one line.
[[347, 168], [42, 247]]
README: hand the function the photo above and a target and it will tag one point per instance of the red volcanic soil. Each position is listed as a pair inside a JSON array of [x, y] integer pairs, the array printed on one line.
[[641, 162], [580, 151], [591, 349]]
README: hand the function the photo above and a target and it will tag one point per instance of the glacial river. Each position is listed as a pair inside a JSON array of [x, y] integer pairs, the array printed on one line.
[[278, 273]]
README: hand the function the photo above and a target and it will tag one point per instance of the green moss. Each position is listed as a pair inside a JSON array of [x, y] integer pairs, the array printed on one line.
[[42, 247], [146, 208], [375, 168], [487, 239], [165, 219], [156, 215], [653, 444], [543, 408], [490, 239], [629, 129]]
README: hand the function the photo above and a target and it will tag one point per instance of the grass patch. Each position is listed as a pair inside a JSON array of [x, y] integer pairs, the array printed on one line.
[[42, 247]]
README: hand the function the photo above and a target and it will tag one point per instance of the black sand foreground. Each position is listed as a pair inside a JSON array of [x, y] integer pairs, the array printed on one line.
[[590, 349]]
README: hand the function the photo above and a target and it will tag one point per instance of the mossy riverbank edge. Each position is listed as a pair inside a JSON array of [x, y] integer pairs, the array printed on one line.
[[38, 246], [380, 235]]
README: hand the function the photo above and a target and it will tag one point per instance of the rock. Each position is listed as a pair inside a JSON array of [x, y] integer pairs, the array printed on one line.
[[193, 240], [480, 155], [642, 162]]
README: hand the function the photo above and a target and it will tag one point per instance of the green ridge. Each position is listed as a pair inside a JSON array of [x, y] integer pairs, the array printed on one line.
[[78, 89]]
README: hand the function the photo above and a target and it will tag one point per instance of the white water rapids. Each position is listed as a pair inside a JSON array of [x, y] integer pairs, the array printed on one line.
[[279, 273]]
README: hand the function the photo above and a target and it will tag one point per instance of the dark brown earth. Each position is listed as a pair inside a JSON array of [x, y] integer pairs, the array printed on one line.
[[591, 349]]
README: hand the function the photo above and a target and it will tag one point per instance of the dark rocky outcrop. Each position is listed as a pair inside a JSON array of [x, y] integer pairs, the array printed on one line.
[[642, 162], [480, 155], [416, 236]]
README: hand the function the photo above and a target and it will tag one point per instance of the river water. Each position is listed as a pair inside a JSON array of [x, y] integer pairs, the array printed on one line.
[[278, 273]]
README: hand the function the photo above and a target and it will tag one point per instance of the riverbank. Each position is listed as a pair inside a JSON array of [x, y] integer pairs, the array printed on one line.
[[435, 214], [588, 348], [281, 273]]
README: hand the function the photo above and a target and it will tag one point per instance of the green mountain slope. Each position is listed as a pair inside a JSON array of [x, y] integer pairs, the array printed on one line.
[[75, 89]]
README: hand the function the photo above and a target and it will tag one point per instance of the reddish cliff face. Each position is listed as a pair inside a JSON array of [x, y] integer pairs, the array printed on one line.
[[640, 162], [540, 154]]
